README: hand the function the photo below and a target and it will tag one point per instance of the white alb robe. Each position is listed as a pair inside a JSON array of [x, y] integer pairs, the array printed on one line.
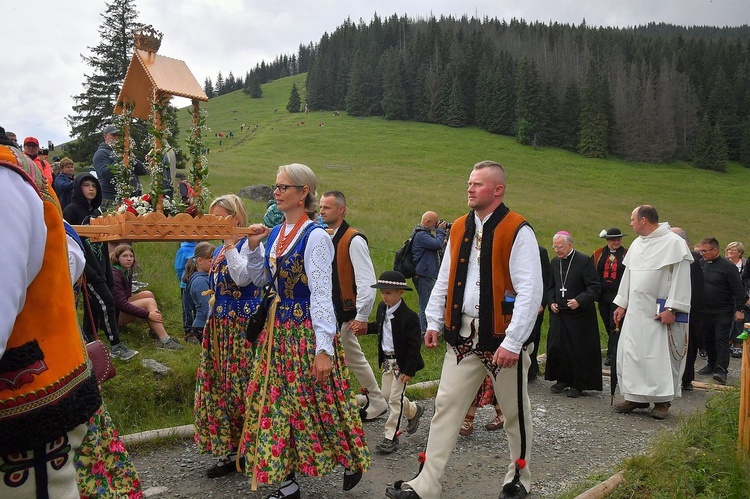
[[650, 355]]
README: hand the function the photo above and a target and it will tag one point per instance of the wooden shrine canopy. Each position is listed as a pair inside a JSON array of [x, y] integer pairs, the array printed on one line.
[[149, 72]]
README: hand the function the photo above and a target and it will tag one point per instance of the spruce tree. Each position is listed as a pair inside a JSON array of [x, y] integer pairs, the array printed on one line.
[[208, 88], [394, 97], [293, 106], [109, 62]]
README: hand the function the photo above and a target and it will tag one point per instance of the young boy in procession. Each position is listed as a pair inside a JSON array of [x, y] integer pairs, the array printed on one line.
[[399, 338]]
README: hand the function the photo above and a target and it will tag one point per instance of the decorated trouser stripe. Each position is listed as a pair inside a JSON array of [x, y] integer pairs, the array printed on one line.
[[47, 472]]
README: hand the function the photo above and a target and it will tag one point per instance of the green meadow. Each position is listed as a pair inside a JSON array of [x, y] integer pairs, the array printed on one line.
[[392, 172]]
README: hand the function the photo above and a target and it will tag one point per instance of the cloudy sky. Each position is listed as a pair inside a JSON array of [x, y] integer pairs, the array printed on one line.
[[42, 68]]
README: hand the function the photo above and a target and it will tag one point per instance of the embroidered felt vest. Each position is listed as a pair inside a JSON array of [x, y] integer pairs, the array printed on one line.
[[499, 233], [291, 282], [231, 300], [46, 387], [344, 284]]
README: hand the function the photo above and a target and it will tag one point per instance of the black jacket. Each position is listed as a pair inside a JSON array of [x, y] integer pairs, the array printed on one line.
[[79, 212], [723, 291], [407, 337]]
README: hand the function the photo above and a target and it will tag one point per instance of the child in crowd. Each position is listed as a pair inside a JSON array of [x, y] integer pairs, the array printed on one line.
[[141, 305], [485, 396], [184, 253], [399, 335], [98, 304], [195, 300]]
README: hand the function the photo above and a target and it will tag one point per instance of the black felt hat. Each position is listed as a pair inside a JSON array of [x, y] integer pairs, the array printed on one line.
[[391, 279], [612, 233]]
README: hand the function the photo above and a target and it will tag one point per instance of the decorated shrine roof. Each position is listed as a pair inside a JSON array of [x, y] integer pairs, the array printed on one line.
[[149, 70]]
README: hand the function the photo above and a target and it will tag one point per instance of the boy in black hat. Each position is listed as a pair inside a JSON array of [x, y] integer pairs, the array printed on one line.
[[608, 263], [397, 327]]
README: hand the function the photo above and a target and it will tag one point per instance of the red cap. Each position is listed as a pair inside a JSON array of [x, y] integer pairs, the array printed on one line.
[[31, 140]]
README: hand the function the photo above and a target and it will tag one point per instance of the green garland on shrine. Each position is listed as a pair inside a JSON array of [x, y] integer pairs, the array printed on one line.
[[123, 187], [155, 164], [198, 173]]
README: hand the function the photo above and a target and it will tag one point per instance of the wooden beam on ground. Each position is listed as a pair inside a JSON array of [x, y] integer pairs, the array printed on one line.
[[605, 488]]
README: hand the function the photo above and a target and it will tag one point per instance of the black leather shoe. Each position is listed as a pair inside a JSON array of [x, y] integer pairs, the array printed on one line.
[[280, 495], [224, 467], [394, 493], [513, 491], [707, 369], [351, 480]]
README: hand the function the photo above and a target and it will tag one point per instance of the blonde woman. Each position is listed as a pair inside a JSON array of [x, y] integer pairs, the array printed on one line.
[[226, 354]]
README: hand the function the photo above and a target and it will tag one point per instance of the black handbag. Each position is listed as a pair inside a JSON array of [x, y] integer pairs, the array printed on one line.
[[257, 321]]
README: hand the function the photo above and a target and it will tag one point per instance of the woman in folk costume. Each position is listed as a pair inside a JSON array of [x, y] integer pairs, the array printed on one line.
[[301, 412], [226, 354]]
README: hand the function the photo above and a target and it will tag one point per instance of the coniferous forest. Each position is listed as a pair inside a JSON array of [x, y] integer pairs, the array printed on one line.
[[652, 93]]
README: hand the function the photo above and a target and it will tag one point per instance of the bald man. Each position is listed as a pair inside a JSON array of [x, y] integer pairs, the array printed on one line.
[[426, 248]]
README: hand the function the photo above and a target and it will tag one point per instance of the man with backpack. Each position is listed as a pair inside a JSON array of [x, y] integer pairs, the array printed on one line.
[[426, 248]]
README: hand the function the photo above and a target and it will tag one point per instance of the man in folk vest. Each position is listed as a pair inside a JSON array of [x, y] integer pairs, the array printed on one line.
[[609, 266], [353, 298], [491, 281], [47, 392]]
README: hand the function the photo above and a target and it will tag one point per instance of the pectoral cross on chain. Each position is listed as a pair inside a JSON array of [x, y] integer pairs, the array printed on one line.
[[563, 290]]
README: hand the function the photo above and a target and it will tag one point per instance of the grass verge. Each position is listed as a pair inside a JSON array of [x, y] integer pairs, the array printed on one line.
[[698, 458]]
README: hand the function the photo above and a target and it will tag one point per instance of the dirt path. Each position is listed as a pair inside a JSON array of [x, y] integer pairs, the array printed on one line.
[[572, 439]]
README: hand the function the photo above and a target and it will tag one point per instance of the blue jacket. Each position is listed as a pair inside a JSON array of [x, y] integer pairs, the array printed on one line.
[[184, 253], [63, 187], [195, 301], [425, 250]]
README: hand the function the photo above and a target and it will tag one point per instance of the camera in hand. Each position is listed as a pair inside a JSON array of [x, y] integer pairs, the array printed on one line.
[[448, 225]]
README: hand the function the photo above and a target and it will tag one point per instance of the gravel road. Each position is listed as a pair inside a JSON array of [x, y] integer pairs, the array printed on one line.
[[573, 438]]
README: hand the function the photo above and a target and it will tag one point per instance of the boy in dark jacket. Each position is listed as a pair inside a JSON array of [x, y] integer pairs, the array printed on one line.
[[98, 305], [399, 335]]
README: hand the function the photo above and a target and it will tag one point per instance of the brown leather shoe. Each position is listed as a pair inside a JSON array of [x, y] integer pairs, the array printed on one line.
[[467, 428], [660, 410], [496, 423], [628, 406]]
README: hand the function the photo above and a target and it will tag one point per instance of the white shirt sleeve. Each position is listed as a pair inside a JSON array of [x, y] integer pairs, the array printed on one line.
[[364, 276], [254, 264], [237, 263], [76, 259], [319, 268], [526, 277], [23, 224]]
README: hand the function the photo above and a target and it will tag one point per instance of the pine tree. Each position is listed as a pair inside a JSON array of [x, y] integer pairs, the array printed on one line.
[[293, 106], [252, 87], [208, 87], [394, 97], [219, 85], [109, 62], [745, 145], [710, 150], [594, 136], [455, 112]]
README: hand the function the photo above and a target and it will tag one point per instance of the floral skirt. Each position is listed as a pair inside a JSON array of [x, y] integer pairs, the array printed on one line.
[[485, 395], [295, 424], [103, 466], [220, 386]]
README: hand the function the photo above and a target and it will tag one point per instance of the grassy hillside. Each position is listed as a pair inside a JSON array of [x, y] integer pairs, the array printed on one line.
[[391, 173], [394, 171]]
